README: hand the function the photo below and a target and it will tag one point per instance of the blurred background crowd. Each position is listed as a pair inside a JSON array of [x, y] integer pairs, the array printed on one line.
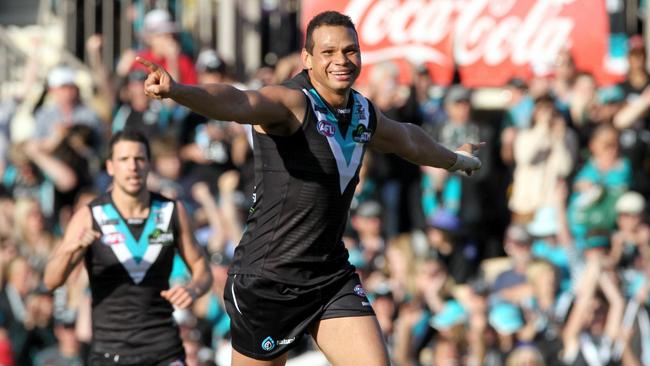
[[541, 258]]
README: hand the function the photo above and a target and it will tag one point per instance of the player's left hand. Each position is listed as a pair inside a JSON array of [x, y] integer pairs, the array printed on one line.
[[181, 297], [467, 161]]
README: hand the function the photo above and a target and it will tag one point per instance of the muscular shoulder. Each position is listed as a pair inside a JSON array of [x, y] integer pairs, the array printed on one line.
[[294, 102], [289, 97]]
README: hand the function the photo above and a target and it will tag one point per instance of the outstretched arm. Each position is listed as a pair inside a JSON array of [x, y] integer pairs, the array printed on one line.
[[413, 144], [269, 106]]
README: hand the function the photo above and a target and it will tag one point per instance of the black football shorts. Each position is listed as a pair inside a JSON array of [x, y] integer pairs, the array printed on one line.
[[267, 318]]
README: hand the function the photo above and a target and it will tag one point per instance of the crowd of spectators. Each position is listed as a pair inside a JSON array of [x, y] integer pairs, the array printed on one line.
[[541, 258]]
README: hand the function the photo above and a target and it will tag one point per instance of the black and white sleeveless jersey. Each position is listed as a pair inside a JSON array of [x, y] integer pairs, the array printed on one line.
[[304, 184], [128, 267]]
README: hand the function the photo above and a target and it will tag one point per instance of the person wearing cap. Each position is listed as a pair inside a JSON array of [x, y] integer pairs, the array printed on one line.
[[67, 350], [367, 224], [447, 243], [158, 32], [459, 126], [517, 244], [207, 146], [310, 136], [136, 110], [631, 242], [507, 320], [52, 120]]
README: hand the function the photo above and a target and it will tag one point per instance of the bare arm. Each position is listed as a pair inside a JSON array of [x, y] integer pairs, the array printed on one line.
[[585, 293], [67, 255], [616, 305], [62, 175], [184, 296], [413, 144], [633, 110], [269, 106]]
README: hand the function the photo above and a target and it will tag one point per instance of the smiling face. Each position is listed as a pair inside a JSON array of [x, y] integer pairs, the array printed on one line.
[[129, 167], [335, 60]]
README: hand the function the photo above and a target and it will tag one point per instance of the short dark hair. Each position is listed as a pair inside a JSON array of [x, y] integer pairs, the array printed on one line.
[[333, 18], [129, 135]]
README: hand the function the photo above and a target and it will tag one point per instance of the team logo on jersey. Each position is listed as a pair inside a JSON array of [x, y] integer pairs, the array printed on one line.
[[268, 344], [325, 128], [361, 134], [113, 238], [359, 291], [161, 237]]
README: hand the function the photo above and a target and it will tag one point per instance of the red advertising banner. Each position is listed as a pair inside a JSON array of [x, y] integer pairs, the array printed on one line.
[[489, 41]]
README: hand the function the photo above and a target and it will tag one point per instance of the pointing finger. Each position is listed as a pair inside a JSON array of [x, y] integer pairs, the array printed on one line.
[[148, 64]]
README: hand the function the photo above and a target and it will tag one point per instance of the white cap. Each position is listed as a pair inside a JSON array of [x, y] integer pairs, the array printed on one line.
[[60, 76], [158, 21], [630, 203]]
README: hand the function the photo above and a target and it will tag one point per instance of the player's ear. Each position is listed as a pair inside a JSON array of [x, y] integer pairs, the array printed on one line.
[[109, 167], [306, 59]]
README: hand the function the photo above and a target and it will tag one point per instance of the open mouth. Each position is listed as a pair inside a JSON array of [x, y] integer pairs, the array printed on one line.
[[342, 75]]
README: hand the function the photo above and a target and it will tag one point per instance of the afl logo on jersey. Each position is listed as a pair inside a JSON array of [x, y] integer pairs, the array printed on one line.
[[113, 238], [326, 128]]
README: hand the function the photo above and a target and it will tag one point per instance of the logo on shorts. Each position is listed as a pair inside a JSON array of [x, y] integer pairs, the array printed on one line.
[[359, 291], [325, 128], [268, 344], [286, 341]]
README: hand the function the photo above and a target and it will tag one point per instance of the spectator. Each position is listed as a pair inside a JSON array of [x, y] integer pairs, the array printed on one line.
[[163, 49], [543, 155], [631, 242], [67, 350], [448, 245], [599, 183], [53, 120], [34, 173], [151, 117]]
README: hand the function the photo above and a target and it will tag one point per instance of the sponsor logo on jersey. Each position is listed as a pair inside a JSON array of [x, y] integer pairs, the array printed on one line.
[[161, 237], [268, 344], [113, 238], [359, 291], [109, 222], [361, 134], [286, 341], [325, 128]]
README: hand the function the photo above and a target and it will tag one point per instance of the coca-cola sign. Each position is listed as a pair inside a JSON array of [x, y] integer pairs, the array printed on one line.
[[489, 41]]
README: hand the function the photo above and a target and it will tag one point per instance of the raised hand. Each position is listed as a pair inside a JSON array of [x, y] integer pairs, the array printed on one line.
[[159, 83], [181, 297], [86, 237]]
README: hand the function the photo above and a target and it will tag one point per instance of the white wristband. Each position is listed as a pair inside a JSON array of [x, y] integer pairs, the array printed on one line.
[[465, 162]]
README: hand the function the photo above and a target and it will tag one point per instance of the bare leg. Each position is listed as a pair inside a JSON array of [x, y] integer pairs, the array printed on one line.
[[351, 341], [240, 360]]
